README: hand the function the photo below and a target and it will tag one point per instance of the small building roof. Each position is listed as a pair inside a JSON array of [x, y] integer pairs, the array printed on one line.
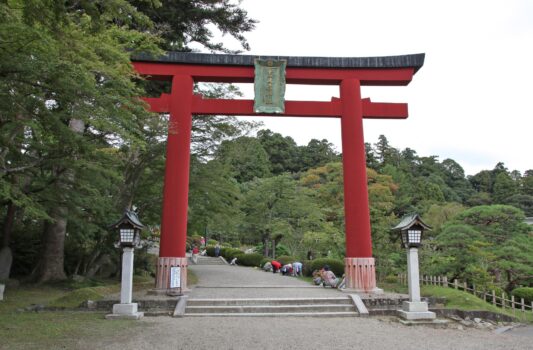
[[129, 217], [410, 220]]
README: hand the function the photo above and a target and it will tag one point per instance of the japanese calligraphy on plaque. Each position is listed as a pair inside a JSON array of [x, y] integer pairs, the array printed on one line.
[[269, 86]]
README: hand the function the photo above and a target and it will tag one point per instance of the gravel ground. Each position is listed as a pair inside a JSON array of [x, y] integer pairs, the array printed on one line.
[[306, 333], [282, 333]]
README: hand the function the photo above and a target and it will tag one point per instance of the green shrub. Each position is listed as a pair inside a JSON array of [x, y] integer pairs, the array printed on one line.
[[210, 250], [524, 292], [286, 259], [307, 268], [391, 279], [281, 250], [253, 259], [230, 253], [211, 242], [335, 265]]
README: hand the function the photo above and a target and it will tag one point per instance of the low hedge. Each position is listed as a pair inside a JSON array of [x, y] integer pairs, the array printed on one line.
[[230, 253], [523, 292], [335, 265], [253, 259], [307, 268]]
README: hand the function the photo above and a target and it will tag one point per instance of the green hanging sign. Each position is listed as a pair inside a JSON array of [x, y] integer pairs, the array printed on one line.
[[269, 86]]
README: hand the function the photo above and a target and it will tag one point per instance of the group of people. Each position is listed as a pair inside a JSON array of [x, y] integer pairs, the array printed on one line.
[[323, 277], [291, 269], [195, 251]]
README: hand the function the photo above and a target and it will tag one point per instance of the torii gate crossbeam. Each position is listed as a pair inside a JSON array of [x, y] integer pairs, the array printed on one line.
[[183, 69]]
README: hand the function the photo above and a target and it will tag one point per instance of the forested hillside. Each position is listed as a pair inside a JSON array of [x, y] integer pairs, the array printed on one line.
[[78, 147]]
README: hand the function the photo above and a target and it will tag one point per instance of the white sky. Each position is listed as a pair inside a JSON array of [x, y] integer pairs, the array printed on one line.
[[472, 99]]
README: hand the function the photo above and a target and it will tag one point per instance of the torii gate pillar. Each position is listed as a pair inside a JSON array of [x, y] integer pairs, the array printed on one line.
[[183, 69], [359, 263]]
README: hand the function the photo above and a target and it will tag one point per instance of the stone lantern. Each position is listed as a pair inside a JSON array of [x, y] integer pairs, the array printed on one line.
[[411, 230], [129, 228]]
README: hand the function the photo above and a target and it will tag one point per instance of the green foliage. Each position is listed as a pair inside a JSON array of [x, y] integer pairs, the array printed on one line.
[[524, 292], [337, 266], [253, 259], [230, 253], [285, 259]]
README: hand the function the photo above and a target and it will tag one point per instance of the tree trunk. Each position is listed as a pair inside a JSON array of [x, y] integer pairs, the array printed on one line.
[[6, 255], [273, 249], [51, 263], [265, 247]]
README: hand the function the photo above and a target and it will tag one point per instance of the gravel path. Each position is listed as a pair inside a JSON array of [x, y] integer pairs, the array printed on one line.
[[281, 333], [305, 333]]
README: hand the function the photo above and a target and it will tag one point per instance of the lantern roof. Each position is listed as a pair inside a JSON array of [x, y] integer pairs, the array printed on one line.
[[410, 220], [129, 217]]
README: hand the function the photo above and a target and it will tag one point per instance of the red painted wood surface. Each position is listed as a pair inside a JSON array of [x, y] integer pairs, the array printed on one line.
[[314, 76], [201, 106], [176, 187], [356, 211], [350, 107]]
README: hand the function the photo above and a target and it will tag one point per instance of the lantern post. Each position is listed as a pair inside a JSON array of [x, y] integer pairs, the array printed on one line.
[[411, 230], [129, 228]]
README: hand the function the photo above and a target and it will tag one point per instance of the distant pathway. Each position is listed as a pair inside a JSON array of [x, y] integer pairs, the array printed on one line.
[[224, 281]]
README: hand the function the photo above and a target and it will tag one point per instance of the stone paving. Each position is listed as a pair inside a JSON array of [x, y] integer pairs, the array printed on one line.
[[219, 281]]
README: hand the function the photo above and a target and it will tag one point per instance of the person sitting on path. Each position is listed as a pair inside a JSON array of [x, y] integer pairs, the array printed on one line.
[[276, 265], [329, 277], [233, 262], [297, 268]]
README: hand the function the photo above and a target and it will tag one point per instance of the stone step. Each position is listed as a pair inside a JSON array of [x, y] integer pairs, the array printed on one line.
[[326, 307], [273, 314], [269, 309], [270, 301]]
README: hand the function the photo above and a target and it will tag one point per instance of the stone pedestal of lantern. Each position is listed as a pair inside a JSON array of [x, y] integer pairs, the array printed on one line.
[[126, 309], [414, 309], [411, 230]]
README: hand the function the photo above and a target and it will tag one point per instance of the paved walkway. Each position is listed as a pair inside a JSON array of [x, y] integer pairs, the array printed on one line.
[[224, 281]]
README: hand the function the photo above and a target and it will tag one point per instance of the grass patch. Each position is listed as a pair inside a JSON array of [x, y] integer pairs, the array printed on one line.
[[192, 279], [46, 330], [74, 298], [38, 330], [456, 299]]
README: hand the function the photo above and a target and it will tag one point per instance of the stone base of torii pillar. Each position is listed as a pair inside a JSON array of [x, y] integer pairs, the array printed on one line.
[[361, 276]]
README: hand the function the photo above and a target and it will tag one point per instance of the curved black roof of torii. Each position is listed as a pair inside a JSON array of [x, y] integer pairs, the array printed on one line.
[[403, 61]]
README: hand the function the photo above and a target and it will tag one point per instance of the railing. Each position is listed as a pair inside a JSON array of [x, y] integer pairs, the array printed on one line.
[[491, 297]]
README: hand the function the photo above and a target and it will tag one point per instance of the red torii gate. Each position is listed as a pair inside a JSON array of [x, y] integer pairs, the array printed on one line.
[[183, 69]]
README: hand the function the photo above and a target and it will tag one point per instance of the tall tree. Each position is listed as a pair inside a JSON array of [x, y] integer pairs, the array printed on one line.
[[184, 23]]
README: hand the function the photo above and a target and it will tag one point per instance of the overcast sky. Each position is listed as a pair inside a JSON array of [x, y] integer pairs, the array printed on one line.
[[471, 101]]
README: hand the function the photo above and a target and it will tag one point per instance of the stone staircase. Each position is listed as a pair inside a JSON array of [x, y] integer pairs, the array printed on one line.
[[208, 260], [311, 307]]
